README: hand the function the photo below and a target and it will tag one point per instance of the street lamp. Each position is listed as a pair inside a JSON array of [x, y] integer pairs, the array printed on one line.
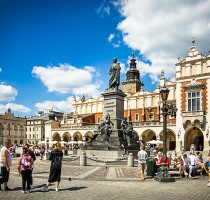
[[169, 109], [164, 96]]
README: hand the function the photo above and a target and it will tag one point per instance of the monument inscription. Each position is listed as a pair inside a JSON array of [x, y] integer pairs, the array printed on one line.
[[110, 107]]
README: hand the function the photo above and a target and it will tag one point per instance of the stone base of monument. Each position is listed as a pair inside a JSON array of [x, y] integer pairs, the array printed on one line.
[[103, 142], [102, 155]]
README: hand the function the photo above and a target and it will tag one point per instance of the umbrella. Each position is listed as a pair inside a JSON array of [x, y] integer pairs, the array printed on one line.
[[42, 142], [72, 142], [154, 142], [53, 142]]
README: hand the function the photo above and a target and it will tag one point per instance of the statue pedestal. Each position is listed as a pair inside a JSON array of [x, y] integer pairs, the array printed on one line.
[[114, 106], [110, 136]]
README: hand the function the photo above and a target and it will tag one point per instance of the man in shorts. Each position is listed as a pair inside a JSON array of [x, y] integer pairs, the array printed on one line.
[[142, 157], [5, 163]]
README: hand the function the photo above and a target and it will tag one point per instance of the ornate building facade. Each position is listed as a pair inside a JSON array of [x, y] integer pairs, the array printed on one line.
[[35, 126], [12, 127], [189, 94]]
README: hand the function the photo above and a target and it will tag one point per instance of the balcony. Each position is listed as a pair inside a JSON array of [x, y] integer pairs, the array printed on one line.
[[193, 116]]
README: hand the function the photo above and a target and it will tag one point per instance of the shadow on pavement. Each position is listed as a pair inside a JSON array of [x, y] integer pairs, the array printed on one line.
[[72, 188], [60, 189]]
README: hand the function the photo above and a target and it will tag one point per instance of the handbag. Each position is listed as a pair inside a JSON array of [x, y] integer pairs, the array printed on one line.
[[0, 173]]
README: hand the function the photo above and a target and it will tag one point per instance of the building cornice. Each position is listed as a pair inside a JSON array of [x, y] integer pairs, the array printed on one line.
[[194, 75]]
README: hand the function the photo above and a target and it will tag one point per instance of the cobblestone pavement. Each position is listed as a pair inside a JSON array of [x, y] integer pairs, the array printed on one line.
[[112, 190], [104, 182]]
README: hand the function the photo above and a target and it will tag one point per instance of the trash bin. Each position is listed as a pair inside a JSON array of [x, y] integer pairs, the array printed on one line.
[[65, 152], [151, 167]]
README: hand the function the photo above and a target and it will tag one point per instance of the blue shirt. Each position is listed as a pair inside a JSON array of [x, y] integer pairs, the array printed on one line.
[[143, 155]]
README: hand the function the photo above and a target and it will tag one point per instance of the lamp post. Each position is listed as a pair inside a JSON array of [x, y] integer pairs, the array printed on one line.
[[169, 109], [164, 96]]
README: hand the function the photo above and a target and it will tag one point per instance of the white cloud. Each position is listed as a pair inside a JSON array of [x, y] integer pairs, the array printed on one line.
[[123, 68], [116, 45], [14, 107], [107, 10], [67, 79], [111, 36], [103, 8], [0, 69], [89, 89], [63, 106], [8, 93], [162, 30]]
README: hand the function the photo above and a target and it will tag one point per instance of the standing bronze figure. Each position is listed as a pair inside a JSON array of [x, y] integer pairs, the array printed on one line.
[[114, 73]]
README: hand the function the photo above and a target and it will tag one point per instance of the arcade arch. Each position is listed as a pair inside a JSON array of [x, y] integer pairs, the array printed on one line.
[[66, 137], [56, 137], [88, 135], [193, 136], [170, 139], [148, 135], [77, 136]]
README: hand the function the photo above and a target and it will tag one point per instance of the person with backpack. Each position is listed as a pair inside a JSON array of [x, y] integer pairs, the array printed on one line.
[[56, 157], [31, 153], [25, 163]]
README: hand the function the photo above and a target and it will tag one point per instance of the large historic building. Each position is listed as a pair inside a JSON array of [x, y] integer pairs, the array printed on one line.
[[12, 127], [35, 126], [189, 95]]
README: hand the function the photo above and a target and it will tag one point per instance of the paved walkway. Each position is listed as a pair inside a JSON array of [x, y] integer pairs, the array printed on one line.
[[111, 190], [104, 182]]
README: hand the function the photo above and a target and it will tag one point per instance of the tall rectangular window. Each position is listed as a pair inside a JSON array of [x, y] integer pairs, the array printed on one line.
[[194, 101]]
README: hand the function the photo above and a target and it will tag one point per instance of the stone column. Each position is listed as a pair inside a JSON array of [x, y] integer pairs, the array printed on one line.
[[83, 160], [130, 160]]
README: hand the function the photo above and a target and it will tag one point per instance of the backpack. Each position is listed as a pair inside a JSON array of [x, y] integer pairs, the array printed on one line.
[[57, 163], [24, 162]]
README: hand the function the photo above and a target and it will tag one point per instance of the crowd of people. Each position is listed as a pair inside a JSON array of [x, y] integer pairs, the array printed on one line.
[[188, 166], [25, 166]]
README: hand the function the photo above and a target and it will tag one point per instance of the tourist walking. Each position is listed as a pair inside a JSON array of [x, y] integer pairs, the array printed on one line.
[[30, 148], [42, 151], [5, 164], [25, 163], [142, 157], [55, 168]]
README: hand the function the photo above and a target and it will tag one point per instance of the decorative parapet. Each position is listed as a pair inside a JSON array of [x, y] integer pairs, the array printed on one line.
[[91, 127], [194, 85], [193, 116], [151, 123]]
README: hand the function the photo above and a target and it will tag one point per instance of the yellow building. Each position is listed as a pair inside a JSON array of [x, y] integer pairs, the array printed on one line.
[[12, 127]]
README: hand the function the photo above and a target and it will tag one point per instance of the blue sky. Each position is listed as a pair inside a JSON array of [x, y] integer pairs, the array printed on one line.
[[53, 49]]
